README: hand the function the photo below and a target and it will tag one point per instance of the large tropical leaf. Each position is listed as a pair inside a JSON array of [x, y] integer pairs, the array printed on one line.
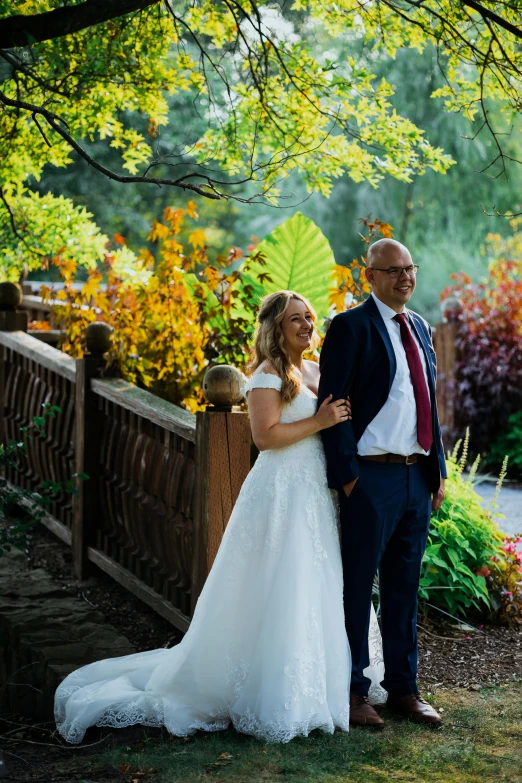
[[298, 257]]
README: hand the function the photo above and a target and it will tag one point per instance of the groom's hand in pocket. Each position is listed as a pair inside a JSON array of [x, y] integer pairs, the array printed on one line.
[[438, 496], [349, 487]]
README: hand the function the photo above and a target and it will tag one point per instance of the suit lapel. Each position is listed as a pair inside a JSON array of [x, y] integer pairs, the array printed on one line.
[[377, 320]]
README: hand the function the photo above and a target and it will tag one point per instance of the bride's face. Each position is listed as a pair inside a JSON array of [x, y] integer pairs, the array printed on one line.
[[297, 327]]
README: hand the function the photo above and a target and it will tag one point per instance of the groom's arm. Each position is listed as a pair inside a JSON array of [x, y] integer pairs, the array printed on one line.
[[337, 363]]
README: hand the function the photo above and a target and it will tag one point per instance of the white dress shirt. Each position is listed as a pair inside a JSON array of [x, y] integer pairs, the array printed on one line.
[[394, 429]]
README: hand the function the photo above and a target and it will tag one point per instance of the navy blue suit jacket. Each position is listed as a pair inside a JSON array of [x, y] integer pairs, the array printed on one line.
[[358, 360]]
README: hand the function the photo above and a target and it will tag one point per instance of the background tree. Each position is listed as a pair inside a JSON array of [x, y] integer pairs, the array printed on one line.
[[269, 102]]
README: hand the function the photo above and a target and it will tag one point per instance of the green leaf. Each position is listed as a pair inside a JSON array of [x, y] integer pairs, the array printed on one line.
[[298, 257]]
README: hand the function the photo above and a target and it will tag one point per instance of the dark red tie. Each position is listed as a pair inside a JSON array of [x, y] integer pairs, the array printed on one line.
[[420, 389]]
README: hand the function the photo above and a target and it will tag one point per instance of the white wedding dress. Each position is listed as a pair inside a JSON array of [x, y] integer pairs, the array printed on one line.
[[266, 650]]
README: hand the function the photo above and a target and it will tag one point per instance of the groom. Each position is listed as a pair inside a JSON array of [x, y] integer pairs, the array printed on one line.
[[388, 465]]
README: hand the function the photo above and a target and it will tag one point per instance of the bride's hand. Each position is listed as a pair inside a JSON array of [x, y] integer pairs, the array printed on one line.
[[331, 413]]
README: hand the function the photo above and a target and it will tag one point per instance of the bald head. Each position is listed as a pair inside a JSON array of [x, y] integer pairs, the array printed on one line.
[[386, 250], [390, 272]]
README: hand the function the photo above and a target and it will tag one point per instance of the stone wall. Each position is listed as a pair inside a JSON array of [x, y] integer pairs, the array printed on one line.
[[44, 635]]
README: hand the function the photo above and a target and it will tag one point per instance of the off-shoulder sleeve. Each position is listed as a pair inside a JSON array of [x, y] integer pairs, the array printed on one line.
[[263, 380]]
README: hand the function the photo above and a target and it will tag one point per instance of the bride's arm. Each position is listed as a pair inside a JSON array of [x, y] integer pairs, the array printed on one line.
[[264, 406]]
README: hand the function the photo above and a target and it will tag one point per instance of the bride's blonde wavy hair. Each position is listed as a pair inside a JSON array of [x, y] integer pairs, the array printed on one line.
[[269, 339]]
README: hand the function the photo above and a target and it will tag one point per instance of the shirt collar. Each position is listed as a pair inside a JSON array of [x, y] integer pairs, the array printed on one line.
[[386, 312]]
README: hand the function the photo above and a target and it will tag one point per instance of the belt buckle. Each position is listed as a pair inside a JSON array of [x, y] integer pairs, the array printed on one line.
[[408, 458]]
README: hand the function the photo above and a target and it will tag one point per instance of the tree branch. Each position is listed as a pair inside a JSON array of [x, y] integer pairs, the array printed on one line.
[[493, 17], [24, 30], [57, 124], [13, 225]]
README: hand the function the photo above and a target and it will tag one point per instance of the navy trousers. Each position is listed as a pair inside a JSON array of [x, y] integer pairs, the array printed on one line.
[[384, 527]]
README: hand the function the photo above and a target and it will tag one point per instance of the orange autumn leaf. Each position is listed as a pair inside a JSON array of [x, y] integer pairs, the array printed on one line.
[[67, 268], [384, 228], [40, 326], [234, 254], [119, 239]]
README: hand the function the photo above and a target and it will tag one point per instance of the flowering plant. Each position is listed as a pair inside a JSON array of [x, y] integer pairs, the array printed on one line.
[[505, 581]]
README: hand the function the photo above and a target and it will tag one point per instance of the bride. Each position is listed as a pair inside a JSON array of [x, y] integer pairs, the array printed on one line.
[[266, 650]]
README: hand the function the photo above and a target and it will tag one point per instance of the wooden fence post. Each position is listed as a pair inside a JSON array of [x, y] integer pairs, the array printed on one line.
[[11, 320], [87, 443], [445, 346], [222, 464]]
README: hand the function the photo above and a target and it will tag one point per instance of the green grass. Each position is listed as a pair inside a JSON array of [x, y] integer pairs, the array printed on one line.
[[481, 741]]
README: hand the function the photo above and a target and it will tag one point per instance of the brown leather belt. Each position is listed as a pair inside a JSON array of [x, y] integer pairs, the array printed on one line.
[[411, 459]]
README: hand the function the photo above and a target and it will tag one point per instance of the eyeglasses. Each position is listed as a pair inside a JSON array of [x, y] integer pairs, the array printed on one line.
[[396, 271]]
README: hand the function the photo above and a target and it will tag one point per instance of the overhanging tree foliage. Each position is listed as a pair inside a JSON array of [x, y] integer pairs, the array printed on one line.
[[272, 103]]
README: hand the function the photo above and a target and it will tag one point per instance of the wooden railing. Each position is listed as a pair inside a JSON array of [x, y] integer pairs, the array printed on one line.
[[162, 481], [32, 374]]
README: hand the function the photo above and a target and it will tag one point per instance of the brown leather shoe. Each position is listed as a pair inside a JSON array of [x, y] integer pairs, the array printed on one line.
[[415, 708], [363, 714]]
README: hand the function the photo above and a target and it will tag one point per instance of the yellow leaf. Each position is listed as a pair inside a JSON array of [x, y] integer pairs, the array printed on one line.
[[197, 238], [174, 215], [384, 228], [91, 287], [159, 231], [192, 211], [336, 298]]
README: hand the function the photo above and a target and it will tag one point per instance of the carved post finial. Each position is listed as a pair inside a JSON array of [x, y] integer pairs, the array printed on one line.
[[11, 319], [223, 386], [98, 338], [10, 296]]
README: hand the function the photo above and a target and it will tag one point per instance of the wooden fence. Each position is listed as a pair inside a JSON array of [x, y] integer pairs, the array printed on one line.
[[444, 340], [162, 481]]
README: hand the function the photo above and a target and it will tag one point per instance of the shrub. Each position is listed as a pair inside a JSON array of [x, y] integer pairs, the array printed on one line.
[[172, 316], [508, 443], [470, 567], [489, 346], [463, 538]]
